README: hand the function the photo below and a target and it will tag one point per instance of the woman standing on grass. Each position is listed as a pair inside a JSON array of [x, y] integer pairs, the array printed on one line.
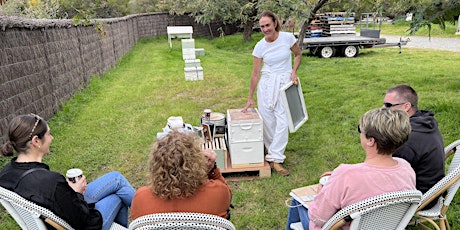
[[275, 51], [29, 135]]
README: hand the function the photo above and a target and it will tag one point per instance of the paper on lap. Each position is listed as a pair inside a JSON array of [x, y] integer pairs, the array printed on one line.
[[305, 195]]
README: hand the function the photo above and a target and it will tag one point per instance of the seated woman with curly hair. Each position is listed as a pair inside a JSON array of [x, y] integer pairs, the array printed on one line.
[[182, 178]]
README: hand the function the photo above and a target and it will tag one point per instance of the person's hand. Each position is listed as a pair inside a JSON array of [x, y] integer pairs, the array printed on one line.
[[211, 156], [80, 186], [250, 103], [294, 79], [326, 174], [318, 189]]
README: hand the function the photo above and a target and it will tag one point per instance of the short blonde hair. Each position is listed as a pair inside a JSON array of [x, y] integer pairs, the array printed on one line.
[[177, 166], [390, 128]]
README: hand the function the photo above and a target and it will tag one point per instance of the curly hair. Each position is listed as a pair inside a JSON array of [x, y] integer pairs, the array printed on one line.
[[177, 166]]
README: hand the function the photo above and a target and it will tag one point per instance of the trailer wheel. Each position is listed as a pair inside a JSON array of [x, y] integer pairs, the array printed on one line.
[[350, 51], [327, 52]]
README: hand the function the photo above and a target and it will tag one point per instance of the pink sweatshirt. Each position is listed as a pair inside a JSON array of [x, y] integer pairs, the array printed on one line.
[[350, 183]]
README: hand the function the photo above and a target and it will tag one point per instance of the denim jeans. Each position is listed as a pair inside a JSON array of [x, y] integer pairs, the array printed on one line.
[[297, 213], [113, 195]]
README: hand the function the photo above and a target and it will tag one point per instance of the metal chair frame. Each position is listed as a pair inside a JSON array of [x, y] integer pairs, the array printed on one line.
[[391, 210], [448, 186]]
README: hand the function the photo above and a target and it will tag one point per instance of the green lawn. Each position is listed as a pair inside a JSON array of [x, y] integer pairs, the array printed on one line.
[[111, 124], [401, 28]]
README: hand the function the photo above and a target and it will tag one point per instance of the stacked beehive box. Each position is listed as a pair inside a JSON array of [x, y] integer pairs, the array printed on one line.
[[193, 70], [245, 138]]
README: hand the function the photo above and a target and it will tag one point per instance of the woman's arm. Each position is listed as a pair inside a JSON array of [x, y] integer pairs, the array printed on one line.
[[254, 79], [72, 207], [297, 58]]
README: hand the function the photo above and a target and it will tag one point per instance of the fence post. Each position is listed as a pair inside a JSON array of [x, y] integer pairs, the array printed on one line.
[[458, 26]]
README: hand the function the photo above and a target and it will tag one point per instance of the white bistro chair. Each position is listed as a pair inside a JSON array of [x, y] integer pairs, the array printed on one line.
[[31, 216], [181, 220], [447, 187], [391, 210]]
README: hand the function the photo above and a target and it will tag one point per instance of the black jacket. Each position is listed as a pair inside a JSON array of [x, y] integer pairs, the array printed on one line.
[[50, 190], [424, 150]]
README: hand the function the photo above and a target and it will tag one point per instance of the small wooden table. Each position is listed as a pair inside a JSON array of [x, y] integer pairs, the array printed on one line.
[[179, 32]]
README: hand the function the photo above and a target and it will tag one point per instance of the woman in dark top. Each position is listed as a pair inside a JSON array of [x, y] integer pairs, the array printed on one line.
[[109, 196]]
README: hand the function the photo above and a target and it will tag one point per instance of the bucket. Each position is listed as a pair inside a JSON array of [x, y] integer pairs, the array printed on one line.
[[218, 119]]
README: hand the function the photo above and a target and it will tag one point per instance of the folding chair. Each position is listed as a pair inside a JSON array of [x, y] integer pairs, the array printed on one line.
[[447, 186], [181, 220], [29, 215]]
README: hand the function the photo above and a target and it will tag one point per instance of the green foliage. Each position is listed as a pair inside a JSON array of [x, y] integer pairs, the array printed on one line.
[[438, 12], [142, 6], [31, 8], [95, 8], [402, 28]]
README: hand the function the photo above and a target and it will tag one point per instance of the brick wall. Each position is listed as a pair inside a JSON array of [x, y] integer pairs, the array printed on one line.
[[44, 62]]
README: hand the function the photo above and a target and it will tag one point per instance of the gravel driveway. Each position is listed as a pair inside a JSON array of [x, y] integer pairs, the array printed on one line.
[[449, 44]]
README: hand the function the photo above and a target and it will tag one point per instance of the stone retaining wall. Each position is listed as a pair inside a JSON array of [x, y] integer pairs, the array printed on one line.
[[44, 62]]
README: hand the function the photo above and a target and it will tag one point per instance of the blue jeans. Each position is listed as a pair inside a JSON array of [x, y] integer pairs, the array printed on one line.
[[297, 213], [113, 195]]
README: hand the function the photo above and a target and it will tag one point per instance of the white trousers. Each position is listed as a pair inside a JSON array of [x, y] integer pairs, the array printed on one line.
[[275, 123]]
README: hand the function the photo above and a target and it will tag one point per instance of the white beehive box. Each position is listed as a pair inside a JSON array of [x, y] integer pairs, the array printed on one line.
[[199, 51], [188, 43], [190, 74], [188, 49], [199, 73], [188, 54], [245, 138], [244, 127], [192, 63]]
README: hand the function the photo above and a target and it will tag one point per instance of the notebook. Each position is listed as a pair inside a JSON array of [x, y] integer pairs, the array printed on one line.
[[305, 195]]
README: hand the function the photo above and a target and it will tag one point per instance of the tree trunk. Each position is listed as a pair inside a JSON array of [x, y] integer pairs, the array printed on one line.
[[248, 30], [306, 23]]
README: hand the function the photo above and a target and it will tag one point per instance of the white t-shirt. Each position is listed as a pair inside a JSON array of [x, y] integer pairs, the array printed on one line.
[[276, 55]]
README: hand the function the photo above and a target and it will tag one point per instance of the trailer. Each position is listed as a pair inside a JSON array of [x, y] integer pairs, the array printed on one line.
[[347, 46], [334, 34]]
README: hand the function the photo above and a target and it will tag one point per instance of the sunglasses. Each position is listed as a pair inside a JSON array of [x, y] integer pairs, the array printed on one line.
[[389, 105], [359, 129]]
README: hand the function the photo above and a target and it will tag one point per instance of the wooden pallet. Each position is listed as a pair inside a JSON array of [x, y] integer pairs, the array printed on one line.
[[245, 173]]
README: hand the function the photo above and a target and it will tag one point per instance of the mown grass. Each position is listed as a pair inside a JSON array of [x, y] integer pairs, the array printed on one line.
[[111, 124], [401, 28]]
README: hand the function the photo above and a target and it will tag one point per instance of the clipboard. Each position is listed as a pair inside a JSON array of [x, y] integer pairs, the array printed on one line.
[[305, 195]]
